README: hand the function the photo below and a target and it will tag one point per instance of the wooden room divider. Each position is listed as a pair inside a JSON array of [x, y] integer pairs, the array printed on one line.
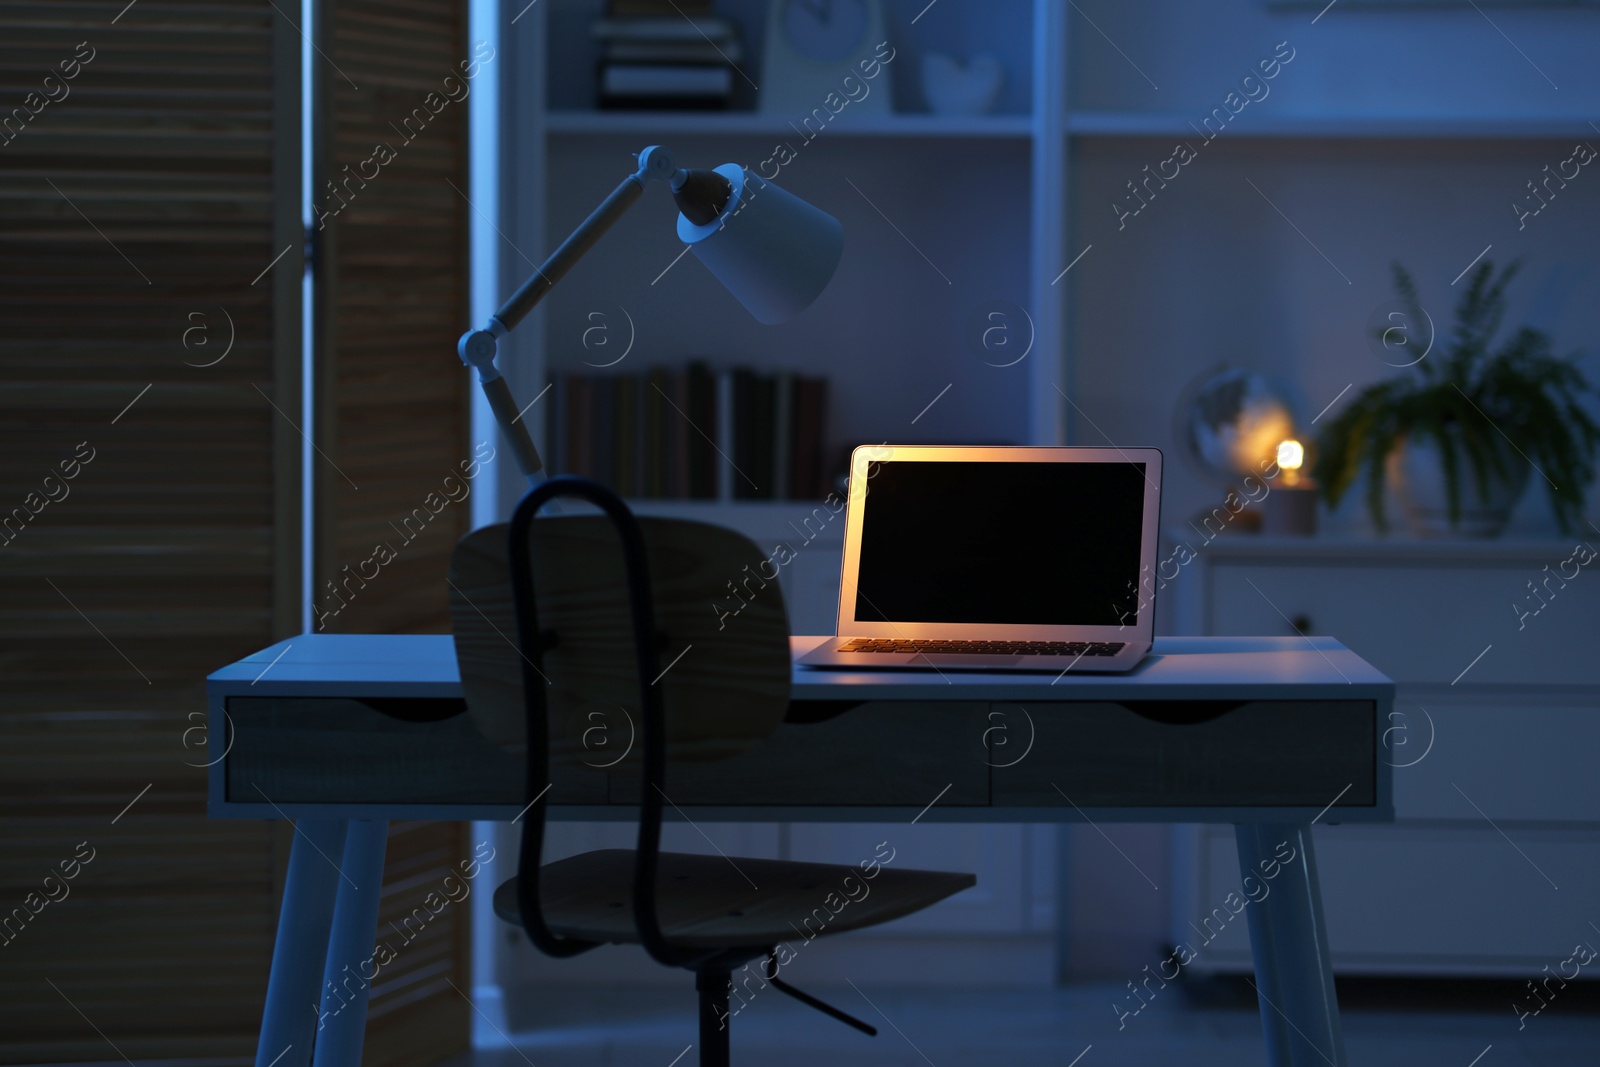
[[151, 437]]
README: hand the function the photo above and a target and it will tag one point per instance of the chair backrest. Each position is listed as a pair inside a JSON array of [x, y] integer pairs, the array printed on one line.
[[617, 613], [727, 690]]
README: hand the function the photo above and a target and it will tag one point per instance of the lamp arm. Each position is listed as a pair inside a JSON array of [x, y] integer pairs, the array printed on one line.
[[478, 348], [564, 258]]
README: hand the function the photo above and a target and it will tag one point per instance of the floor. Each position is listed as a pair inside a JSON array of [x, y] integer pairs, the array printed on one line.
[[1387, 1024]]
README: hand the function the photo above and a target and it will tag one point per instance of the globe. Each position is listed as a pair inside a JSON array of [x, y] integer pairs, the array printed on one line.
[[1232, 421]]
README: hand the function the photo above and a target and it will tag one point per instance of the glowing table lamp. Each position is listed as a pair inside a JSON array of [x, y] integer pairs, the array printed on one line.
[[774, 252], [1290, 508]]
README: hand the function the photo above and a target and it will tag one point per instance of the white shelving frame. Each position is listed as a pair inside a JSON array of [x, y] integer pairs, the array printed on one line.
[[543, 135]]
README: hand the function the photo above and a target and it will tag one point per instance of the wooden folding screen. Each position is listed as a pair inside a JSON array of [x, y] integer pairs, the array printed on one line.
[[150, 525], [396, 470], [391, 228], [149, 498]]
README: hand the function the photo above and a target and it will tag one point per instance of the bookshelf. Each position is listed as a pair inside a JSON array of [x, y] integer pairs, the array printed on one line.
[[951, 219], [1394, 134], [942, 235]]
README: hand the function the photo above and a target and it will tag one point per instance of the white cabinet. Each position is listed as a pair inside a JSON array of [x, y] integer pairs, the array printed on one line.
[[1495, 856]]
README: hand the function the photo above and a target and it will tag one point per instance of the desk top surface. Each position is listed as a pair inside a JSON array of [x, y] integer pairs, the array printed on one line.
[[1313, 735], [1211, 668]]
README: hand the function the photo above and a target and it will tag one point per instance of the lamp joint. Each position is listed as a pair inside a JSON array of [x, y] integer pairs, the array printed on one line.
[[478, 348]]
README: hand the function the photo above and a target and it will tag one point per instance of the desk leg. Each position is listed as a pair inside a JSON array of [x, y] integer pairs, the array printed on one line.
[[288, 1024], [342, 1022], [1294, 981]]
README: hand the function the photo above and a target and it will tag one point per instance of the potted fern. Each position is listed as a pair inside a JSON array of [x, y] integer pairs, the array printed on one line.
[[1460, 435]]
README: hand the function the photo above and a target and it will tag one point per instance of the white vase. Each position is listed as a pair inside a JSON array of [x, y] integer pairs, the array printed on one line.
[[956, 89], [1416, 472]]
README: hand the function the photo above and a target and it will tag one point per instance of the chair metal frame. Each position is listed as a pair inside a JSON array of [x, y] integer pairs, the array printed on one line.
[[653, 713], [713, 967]]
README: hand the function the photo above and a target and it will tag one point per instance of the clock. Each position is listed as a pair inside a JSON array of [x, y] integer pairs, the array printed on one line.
[[825, 57]]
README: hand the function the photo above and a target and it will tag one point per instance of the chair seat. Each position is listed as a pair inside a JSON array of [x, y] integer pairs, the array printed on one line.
[[715, 902]]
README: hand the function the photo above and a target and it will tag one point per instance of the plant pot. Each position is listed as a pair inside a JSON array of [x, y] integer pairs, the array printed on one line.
[[1416, 472]]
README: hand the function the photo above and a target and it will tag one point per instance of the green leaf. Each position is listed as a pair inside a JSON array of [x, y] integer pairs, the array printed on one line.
[[1485, 403]]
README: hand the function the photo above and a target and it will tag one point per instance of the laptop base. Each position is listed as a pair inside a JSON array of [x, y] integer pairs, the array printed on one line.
[[827, 655]]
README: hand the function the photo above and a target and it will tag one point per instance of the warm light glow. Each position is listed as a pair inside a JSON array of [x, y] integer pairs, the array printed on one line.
[[1258, 429], [1291, 455]]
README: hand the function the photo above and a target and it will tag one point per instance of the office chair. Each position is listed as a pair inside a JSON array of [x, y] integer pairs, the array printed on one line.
[[614, 611]]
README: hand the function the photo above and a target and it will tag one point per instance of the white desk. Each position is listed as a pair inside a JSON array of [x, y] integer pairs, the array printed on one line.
[[343, 732]]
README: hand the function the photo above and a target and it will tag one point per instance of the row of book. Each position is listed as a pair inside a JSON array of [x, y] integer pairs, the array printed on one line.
[[666, 54], [692, 433]]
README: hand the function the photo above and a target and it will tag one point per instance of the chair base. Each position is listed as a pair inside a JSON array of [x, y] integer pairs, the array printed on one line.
[[713, 987]]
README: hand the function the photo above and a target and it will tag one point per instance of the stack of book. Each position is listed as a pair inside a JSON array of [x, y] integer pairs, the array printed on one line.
[[666, 54], [692, 433]]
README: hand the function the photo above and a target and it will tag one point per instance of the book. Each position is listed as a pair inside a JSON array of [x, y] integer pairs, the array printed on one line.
[[656, 418], [665, 56], [806, 481], [674, 80], [578, 430], [673, 52], [745, 485], [783, 430], [725, 473], [628, 481], [603, 434], [661, 8], [665, 28], [691, 433], [555, 425], [764, 407], [702, 453], [678, 434]]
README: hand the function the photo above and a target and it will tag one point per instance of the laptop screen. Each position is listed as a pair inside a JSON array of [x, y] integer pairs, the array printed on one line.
[[1001, 542]]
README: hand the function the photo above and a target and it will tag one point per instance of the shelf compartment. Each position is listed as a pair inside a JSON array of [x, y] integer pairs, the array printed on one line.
[[1353, 127], [588, 123]]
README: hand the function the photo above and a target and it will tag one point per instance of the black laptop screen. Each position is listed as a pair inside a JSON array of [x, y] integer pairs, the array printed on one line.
[[1043, 544]]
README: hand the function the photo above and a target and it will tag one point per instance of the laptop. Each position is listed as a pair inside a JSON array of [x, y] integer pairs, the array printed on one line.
[[996, 558]]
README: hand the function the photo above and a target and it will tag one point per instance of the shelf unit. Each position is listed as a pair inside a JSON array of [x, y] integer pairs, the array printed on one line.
[[948, 219], [1384, 139]]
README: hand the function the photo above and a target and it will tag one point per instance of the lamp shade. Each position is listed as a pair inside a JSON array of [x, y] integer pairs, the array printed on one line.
[[773, 251]]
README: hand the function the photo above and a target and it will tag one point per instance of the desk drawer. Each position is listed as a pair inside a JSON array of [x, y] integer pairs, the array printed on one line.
[[901, 753], [338, 751], [1266, 753]]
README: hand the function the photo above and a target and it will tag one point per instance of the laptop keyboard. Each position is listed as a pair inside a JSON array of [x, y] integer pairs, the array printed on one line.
[[983, 648]]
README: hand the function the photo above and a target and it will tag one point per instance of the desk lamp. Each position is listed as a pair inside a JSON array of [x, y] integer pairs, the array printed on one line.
[[773, 251]]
